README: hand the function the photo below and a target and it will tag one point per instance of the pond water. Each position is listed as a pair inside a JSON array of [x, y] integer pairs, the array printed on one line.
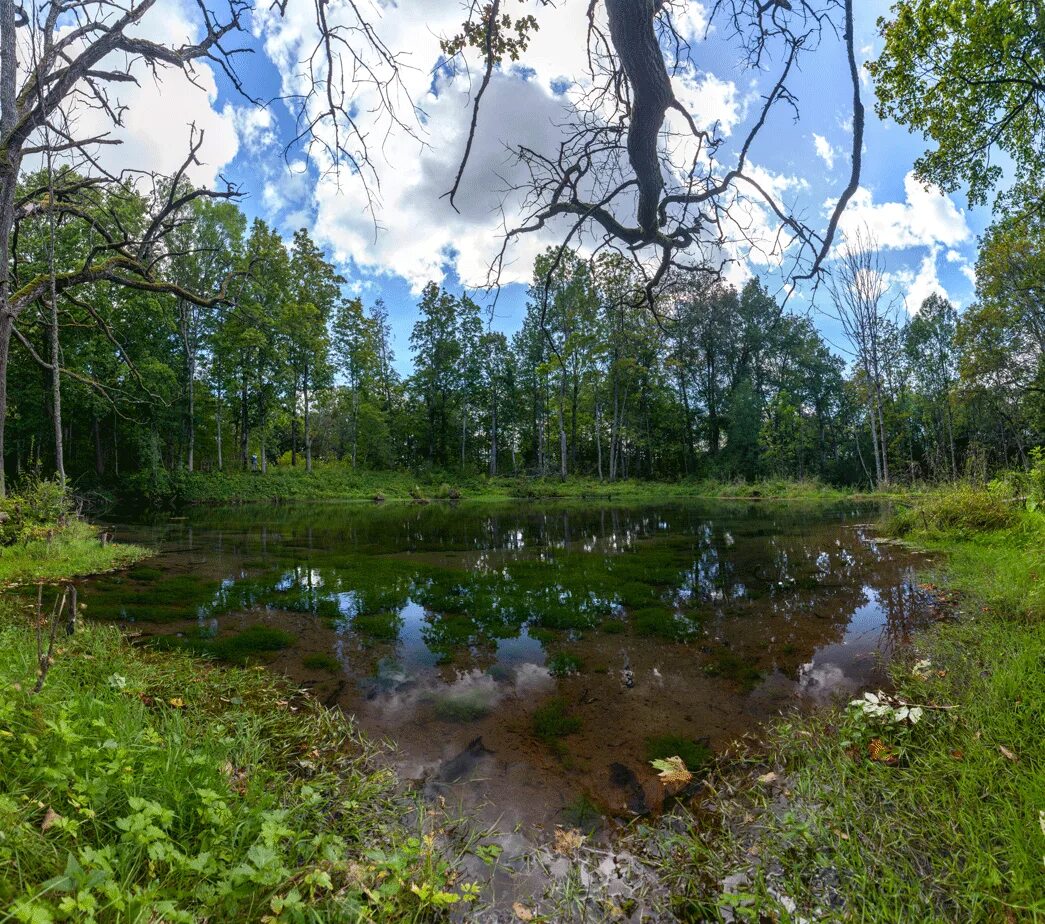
[[529, 659]]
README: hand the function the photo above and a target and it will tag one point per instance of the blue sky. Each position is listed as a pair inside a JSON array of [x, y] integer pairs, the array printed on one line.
[[929, 240]]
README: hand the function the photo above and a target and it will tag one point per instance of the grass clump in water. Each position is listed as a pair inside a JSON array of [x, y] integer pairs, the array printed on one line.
[[552, 722], [562, 663], [731, 666], [468, 706], [378, 626], [240, 648], [320, 661]]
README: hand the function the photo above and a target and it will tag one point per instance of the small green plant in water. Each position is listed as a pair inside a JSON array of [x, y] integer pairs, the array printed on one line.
[[321, 662], [552, 722], [561, 664], [462, 707]]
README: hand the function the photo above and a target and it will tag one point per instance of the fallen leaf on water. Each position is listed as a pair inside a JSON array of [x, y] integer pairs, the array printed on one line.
[[767, 777], [51, 818], [567, 841], [522, 912], [672, 770], [1007, 754]]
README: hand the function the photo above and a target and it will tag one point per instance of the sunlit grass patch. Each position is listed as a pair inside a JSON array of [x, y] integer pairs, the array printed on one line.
[[72, 551]]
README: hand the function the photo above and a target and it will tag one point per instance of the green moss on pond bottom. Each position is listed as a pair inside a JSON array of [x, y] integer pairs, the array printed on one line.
[[563, 663], [730, 666], [378, 626], [552, 721], [321, 662], [236, 649], [463, 707]]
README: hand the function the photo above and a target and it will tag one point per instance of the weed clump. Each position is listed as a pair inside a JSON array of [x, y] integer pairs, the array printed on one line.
[[561, 664], [462, 707], [380, 626], [962, 510], [318, 661], [553, 722]]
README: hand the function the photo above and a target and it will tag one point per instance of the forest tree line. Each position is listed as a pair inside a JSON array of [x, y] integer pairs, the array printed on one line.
[[286, 368]]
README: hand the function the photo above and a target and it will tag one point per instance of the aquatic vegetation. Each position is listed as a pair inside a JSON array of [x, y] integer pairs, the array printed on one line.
[[552, 722], [143, 573], [378, 626], [562, 663], [731, 666], [318, 661], [463, 706], [236, 649]]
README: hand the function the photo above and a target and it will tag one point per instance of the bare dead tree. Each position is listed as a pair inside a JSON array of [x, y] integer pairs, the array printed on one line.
[[672, 201], [859, 290]]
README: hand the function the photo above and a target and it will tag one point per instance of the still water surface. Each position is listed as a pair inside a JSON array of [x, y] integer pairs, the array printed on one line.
[[529, 659]]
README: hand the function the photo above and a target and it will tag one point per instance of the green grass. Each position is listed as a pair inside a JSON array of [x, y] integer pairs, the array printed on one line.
[[74, 551], [948, 826], [338, 481], [141, 786]]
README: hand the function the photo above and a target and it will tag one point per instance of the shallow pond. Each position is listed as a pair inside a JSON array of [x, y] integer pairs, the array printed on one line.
[[530, 659]]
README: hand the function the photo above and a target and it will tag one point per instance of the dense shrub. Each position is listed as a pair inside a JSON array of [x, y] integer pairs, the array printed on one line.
[[38, 508]]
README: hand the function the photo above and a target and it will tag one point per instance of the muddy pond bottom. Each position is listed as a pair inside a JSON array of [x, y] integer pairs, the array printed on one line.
[[529, 660]]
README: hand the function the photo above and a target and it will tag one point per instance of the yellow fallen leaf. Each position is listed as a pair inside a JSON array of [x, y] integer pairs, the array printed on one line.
[[177, 702], [767, 777], [522, 912], [672, 770]]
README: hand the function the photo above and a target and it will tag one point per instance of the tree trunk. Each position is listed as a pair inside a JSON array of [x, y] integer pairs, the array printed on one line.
[[493, 433], [192, 412], [294, 425], [308, 431], [244, 432], [563, 443], [355, 423], [598, 436], [9, 167], [217, 425], [99, 455]]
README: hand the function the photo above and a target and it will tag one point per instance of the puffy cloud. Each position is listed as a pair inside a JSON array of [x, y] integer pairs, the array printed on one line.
[[916, 286], [824, 150], [927, 218], [162, 108]]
